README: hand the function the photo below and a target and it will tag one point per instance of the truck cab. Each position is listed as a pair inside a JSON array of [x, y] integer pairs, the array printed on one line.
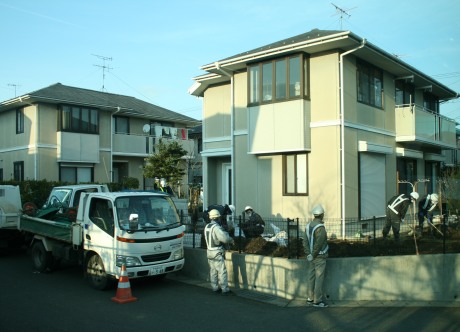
[[69, 196], [140, 230]]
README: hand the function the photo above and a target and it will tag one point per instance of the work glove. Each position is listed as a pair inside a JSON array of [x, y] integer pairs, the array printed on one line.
[[309, 257]]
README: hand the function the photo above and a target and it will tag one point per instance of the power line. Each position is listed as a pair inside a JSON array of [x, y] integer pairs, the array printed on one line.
[[447, 75]]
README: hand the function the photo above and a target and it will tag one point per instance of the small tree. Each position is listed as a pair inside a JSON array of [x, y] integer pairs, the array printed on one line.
[[450, 188], [167, 162]]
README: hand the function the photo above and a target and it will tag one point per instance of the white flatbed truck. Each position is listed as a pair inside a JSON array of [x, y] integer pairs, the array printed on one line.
[[140, 230]]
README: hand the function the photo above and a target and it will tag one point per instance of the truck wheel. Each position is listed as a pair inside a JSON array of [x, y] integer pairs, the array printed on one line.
[[41, 259], [95, 273]]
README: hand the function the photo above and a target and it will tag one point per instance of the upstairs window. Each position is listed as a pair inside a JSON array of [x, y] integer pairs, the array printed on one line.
[[278, 80], [404, 93], [431, 102], [121, 124], [79, 120], [370, 84], [19, 121]]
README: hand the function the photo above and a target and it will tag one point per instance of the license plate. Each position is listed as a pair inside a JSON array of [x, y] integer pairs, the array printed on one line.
[[157, 270]]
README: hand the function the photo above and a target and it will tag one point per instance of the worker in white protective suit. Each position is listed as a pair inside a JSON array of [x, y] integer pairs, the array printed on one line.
[[396, 211], [426, 205], [216, 238]]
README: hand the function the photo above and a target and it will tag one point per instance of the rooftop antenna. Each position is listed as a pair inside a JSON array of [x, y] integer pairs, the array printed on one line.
[[343, 12], [104, 67], [15, 86]]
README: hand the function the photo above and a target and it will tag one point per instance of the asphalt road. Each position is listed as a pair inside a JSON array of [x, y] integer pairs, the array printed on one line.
[[62, 301]]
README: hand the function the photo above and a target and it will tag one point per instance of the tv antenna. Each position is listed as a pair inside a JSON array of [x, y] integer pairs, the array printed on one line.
[[343, 12], [104, 67], [15, 86]]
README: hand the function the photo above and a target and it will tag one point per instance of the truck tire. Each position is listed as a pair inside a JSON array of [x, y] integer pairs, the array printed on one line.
[[42, 260], [95, 273]]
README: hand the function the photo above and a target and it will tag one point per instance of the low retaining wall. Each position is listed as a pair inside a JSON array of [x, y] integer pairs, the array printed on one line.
[[390, 278]]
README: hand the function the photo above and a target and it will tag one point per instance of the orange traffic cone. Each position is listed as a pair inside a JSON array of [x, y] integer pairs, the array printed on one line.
[[124, 288]]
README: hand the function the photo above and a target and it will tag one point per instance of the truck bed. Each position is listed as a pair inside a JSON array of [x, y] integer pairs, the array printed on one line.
[[59, 230]]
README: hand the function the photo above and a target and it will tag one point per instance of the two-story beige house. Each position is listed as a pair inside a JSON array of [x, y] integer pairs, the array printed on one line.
[[323, 117], [79, 135]]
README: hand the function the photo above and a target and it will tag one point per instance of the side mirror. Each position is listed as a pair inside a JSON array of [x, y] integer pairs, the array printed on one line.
[[133, 221]]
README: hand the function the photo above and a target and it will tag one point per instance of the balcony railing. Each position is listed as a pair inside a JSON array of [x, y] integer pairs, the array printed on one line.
[[416, 124], [143, 145]]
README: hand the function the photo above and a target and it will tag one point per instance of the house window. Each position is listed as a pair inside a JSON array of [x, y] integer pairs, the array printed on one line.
[[79, 120], [19, 121], [295, 174], [431, 102], [407, 171], [18, 167], [432, 174], [1, 174], [404, 93], [278, 80], [121, 125], [76, 174], [370, 84]]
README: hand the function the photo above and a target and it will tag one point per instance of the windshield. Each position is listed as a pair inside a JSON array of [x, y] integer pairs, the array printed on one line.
[[152, 212], [59, 197]]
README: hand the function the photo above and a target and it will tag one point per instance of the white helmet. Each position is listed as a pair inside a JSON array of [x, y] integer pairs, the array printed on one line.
[[248, 208], [434, 198], [414, 195], [318, 210], [214, 214]]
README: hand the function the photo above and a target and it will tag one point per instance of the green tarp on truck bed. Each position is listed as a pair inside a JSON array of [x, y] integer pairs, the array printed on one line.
[[59, 230]]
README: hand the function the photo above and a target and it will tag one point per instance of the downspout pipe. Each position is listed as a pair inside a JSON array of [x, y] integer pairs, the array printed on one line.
[[232, 127], [342, 133], [111, 142], [37, 141]]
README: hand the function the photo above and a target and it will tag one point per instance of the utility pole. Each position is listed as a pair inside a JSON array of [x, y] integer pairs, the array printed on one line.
[[104, 68]]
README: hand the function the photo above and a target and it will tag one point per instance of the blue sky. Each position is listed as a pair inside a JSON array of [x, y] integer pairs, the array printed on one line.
[[157, 47]]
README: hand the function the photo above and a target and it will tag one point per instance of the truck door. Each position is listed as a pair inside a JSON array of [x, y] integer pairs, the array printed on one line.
[[99, 231]]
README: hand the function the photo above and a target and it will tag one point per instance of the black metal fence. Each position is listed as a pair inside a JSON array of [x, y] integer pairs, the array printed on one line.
[[347, 238]]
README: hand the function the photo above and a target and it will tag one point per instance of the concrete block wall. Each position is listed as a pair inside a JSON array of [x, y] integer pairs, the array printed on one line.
[[389, 278]]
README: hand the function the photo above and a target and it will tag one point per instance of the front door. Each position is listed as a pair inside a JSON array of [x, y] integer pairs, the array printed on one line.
[[227, 184]]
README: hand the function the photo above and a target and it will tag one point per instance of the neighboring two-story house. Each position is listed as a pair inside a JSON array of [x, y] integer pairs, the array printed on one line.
[[323, 117], [79, 135]]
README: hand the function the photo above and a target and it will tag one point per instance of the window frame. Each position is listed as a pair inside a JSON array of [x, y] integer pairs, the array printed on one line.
[[117, 118], [75, 169], [406, 169], [407, 92], [69, 123], [20, 121], [257, 87], [430, 102], [18, 171], [294, 178], [366, 77]]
